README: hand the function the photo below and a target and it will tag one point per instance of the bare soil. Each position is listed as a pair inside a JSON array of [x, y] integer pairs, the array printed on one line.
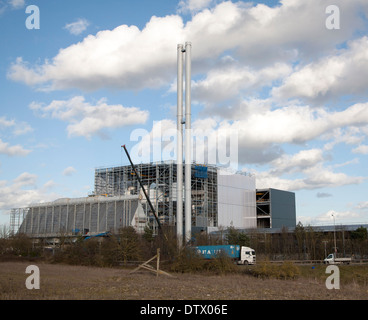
[[61, 282]]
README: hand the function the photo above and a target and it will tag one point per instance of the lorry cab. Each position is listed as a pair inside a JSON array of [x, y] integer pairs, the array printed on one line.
[[247, 256], [332, 259]]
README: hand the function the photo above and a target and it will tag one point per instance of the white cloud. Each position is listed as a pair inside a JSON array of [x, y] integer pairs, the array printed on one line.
[[353, 161], [297, 162], [350, 135], [127, 57], [314, 178], [15, 150], [25, 179], [362, 149], [235, 79], [69, 171], [23, 190], [85, 119], [4, 123], [323, 195], [363, 205], [17, 4], [193, 6], [77, 27], [335, 75], [22, 128], [304, 170], [124, 57], [19, 128], [341, 217], [263, 130]]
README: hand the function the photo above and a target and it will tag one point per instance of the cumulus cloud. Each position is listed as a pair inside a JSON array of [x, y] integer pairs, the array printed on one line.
[[77, 27], [362, 149], [17, 127], [341, 74], [249, 61], [297, 162], [127, 57], [313, 178], [228, 82], [323, 195], [341, 217], [363, 205], [69, 171], [23, 190], [124, 57], [193, 6], [17, 4], [86, 120], [15, 150], [266, 129]]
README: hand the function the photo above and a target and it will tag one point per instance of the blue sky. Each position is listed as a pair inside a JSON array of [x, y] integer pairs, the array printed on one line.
[[274, 74]]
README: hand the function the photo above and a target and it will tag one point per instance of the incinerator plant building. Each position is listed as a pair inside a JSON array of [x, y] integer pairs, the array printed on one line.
[[219, 199]]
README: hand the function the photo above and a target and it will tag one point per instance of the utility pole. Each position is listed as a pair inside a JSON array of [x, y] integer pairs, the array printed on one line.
[[334, 235]]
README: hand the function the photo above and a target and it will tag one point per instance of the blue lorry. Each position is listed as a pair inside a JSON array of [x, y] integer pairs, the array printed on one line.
[[241, 254]]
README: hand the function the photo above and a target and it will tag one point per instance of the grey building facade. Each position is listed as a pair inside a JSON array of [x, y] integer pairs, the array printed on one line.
[[275, 208]]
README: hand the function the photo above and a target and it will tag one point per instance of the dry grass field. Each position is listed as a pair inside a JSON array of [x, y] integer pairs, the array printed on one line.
[[66, 282]]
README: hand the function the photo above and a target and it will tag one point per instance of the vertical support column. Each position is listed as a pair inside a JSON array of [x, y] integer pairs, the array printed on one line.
[[188, 145], [179, 164]]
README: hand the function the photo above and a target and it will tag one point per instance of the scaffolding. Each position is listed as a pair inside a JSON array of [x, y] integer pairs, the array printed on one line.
[[88, 215], [160, 181], [218, 200], [17, 216], [263, 202]]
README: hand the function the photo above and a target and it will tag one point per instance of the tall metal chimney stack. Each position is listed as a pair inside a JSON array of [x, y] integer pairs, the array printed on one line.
[[179, 163], [188, 145]]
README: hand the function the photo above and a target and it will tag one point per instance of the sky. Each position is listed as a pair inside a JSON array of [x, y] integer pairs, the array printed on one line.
[[279, 88]]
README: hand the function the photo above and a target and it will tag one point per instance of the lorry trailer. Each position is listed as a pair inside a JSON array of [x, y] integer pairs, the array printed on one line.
[[333, 259], [241, 254]]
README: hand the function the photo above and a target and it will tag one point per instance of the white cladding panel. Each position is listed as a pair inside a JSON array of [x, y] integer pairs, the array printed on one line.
[[236, 200]]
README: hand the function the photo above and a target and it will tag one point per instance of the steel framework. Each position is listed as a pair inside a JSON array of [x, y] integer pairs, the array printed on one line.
[[160, 182]]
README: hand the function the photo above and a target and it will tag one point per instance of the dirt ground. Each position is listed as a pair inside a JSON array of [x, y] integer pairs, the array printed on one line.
[[65, 282]]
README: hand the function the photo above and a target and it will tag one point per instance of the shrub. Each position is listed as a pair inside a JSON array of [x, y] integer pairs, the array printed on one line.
[[288, 270], [236, 237], [187, 261], [222, 264]]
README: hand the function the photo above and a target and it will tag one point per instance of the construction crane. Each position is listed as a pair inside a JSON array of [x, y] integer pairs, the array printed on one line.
[[145, 193]]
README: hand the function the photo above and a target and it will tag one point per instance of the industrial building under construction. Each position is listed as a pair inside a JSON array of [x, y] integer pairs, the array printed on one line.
[[219, 200], [152, 194]]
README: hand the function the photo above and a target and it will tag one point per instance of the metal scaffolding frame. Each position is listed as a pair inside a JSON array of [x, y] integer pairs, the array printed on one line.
[[17, 216], [118, 201], [89, 215], [160, 181], [263, 208]]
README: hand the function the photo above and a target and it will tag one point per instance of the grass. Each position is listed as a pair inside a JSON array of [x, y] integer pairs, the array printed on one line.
[[349, 275], [82, 282], [265, 269]]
